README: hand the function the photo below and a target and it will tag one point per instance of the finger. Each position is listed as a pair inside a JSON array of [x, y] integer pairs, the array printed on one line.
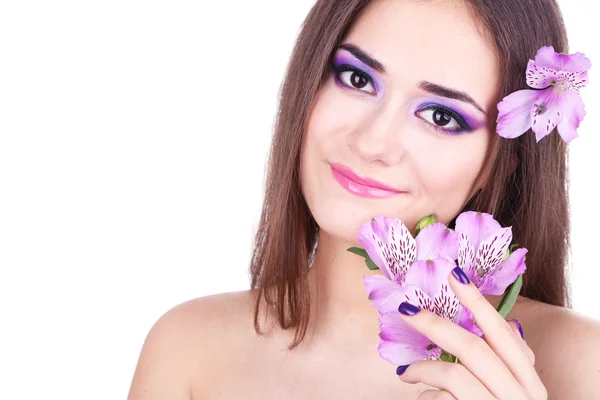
[[454, 378], [473, 352], [436, 395], [517, 328], [497, 332]]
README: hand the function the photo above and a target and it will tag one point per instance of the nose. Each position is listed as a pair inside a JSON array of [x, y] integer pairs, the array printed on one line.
[[378, 138]]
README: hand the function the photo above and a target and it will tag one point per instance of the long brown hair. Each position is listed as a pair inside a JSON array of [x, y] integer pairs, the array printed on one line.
[[528, 192]]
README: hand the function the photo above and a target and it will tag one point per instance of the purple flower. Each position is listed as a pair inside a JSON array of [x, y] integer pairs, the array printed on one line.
[[392, 248], [556, 103], [482, 249], [426, 286]]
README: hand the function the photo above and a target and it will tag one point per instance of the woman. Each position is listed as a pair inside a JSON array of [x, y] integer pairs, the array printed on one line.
[[399, 96]]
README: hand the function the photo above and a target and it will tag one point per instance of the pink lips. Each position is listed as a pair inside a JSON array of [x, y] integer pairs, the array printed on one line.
[[363, 187]]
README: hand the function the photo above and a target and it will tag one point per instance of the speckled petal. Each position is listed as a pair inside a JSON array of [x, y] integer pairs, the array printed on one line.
[[466, 255], [491, 252], [372, 235], [429, 276], [477, 226], [539, 76], [505, 274]]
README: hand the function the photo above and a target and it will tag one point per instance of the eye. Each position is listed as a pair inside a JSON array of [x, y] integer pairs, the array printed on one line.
[[354, 78], [443, 118]]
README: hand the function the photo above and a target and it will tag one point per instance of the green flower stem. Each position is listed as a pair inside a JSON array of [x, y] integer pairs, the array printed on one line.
[[510, 297]]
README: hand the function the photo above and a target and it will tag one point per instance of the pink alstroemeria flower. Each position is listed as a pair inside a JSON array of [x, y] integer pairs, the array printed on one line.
[[482, 247], [427, 287], [558, 104], [392, 248]]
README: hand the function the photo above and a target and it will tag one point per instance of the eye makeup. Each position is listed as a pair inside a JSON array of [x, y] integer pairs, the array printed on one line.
[[344, 61], [466, 121]]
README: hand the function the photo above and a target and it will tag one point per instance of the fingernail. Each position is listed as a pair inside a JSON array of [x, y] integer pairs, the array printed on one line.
[[408, 309], [400, 370], [459, 274], [518, 323]]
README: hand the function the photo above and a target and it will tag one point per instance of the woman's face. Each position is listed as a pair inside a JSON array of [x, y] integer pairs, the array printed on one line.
[[406, 107]]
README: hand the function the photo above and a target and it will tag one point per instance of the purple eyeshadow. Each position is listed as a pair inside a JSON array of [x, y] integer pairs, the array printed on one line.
[[473, 122], [344, 58]]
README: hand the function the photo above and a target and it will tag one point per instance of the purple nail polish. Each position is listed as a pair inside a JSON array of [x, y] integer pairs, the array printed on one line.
[[408, 309], [401, 369], [518, 323], [459, 274]]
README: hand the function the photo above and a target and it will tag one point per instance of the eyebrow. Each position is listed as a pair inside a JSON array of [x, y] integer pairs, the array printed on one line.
[[449, 93], [423, 85], [364, 57]]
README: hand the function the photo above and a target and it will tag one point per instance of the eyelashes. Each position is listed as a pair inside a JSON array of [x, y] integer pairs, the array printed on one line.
[[353, 78], [438, 117], [443, 119]]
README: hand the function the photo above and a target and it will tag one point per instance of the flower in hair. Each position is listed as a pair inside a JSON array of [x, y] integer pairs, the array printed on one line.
[[554, 101]]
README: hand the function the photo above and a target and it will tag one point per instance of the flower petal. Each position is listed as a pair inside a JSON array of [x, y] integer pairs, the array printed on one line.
[[539, 76], [577, 62], [428, 276], [464, 319], [574, 111], [381, 226], [402, 345], [506, 273], [417, 296], [390, 245], [371, 239], [573, 80], [445, 303], [514, 113], [476, 226], [547, 57], [401, 249], [491, 252], [384, 294], [436, 241], [548, 112], [466, 255], [375, 238]]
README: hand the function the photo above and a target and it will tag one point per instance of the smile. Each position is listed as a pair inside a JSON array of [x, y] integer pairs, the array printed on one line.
[[363, 187]]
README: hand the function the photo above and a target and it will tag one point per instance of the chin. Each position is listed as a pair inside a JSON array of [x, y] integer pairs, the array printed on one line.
[[341, 220], [341, 217], [340, 213]]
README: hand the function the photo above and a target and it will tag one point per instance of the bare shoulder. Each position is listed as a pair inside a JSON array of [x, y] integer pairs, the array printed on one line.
[[186, 339], [567, 349]]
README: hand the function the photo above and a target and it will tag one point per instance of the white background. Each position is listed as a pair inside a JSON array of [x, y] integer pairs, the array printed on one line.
[[133, 141]]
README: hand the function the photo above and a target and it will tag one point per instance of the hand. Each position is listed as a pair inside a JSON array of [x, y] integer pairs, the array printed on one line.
[[497, 366]]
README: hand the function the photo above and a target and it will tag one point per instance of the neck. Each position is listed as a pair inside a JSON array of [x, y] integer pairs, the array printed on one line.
[[341, 309]]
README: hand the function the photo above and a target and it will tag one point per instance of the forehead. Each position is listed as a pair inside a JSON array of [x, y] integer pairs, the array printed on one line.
[[425, 40]]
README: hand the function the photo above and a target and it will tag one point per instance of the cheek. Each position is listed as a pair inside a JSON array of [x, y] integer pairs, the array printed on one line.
[[331, 118], [448, 183]]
